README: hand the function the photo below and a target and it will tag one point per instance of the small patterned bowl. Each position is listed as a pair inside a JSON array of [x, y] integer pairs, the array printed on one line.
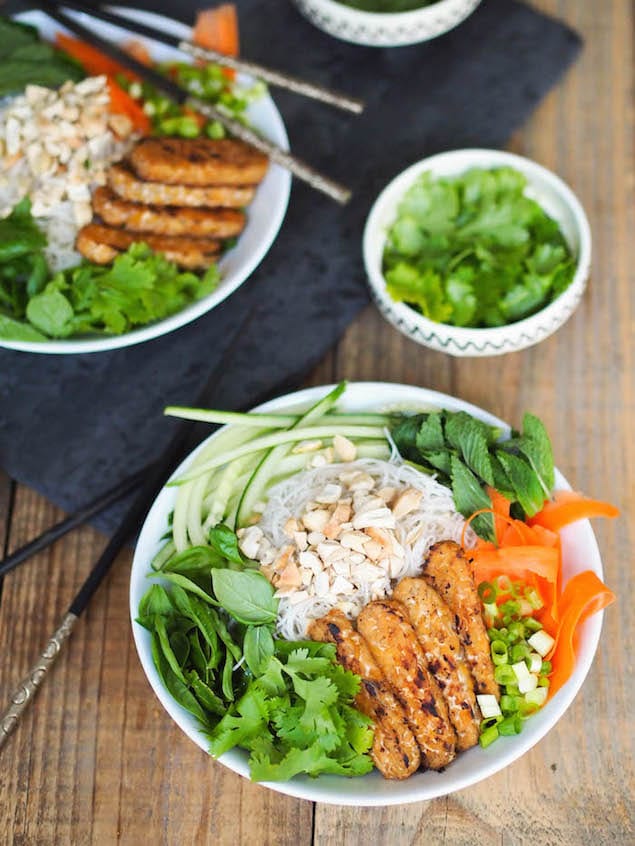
[[547, 189], [376, 29]]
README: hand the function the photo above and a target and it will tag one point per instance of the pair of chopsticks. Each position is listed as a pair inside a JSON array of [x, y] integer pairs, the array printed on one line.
[[150, 480], [303, 171]]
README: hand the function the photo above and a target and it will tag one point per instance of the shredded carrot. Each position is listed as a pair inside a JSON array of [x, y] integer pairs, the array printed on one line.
[[583, 595], [94, 62], [569, 506], [531, 553], [122, 103], [500, 507]]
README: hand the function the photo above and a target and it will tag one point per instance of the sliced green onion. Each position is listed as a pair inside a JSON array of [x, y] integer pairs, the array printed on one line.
[[499, 652], [487, 592], [510, 607], [519, 652], [546, 668], [510, 725], [541, 642], [489, 706], [532, 624], [534, 662], [505, 585], [543, 681], [516, 632], [488, 736], [490, 611], [533, 598], [525, 609], [510, 704], [512, 689], [504, 675]]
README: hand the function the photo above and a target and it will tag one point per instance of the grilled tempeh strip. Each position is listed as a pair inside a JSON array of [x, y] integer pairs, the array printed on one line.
[[433, 622], [102, 244], [130, 187], [394, 645], [450, 573], [395, 750], [167, 220], [198, 161]]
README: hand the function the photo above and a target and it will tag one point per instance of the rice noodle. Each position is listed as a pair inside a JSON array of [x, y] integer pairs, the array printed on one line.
[[434, 520]]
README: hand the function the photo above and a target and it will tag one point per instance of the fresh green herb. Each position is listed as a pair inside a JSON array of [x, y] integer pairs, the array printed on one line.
[[25, 60], [469, 456], [297, 717], [248, 597], [289, 704], [474, 250], [139, 287]]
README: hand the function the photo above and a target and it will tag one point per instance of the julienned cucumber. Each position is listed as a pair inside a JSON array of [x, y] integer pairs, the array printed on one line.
[[255, 488]]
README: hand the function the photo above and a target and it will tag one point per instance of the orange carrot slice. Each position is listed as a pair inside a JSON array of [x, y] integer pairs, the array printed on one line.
[[217, 29], [569, 506], [122, 103], [94, 62], [583, 595]]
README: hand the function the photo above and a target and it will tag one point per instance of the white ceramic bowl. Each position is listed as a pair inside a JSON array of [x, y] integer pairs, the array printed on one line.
[[264, 215], [547, 189], [379, 29], [580, 552]]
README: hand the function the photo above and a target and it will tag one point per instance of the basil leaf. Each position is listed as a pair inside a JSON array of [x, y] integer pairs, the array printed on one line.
[[189, 586], [258, 648], [192, 560], [156, 601], [177, 688], [228, 671], [164, 641], [205, 695], [225, 543], [247, 596]]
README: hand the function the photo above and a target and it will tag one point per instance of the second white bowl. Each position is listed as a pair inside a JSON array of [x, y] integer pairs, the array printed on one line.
[[385, 29], [555, 197]]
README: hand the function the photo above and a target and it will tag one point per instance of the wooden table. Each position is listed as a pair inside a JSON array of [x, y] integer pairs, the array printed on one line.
[[97, 760]]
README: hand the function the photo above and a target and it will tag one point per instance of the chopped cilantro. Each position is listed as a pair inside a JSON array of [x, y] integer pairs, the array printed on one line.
[[474, 250]]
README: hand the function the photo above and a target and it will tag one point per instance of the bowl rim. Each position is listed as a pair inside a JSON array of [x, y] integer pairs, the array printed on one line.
[[386, 18], [331, 789], [464, 335], [192, 311]]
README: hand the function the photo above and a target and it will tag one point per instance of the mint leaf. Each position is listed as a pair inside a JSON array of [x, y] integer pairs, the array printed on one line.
[[469, 497], [470, 437], [536, 447], [430, 437], [527, 487]]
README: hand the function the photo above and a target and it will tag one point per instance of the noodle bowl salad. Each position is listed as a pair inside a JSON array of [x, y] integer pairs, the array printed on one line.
[[338, 590]]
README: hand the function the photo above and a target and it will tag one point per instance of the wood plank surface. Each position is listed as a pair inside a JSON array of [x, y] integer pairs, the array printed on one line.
[[96, 760]]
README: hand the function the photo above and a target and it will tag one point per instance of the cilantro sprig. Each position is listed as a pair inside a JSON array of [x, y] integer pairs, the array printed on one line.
[[469, 456], [474, 250]]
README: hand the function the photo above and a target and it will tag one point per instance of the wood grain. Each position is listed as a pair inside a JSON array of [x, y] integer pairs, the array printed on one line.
[[97, 760]]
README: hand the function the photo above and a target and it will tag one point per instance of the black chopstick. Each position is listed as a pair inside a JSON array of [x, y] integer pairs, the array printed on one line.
[[78, 518], [269, 75], [303, 171], [155, 480]]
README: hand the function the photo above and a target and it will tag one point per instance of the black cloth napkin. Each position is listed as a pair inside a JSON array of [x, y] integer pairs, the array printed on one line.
[[73, 426]]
